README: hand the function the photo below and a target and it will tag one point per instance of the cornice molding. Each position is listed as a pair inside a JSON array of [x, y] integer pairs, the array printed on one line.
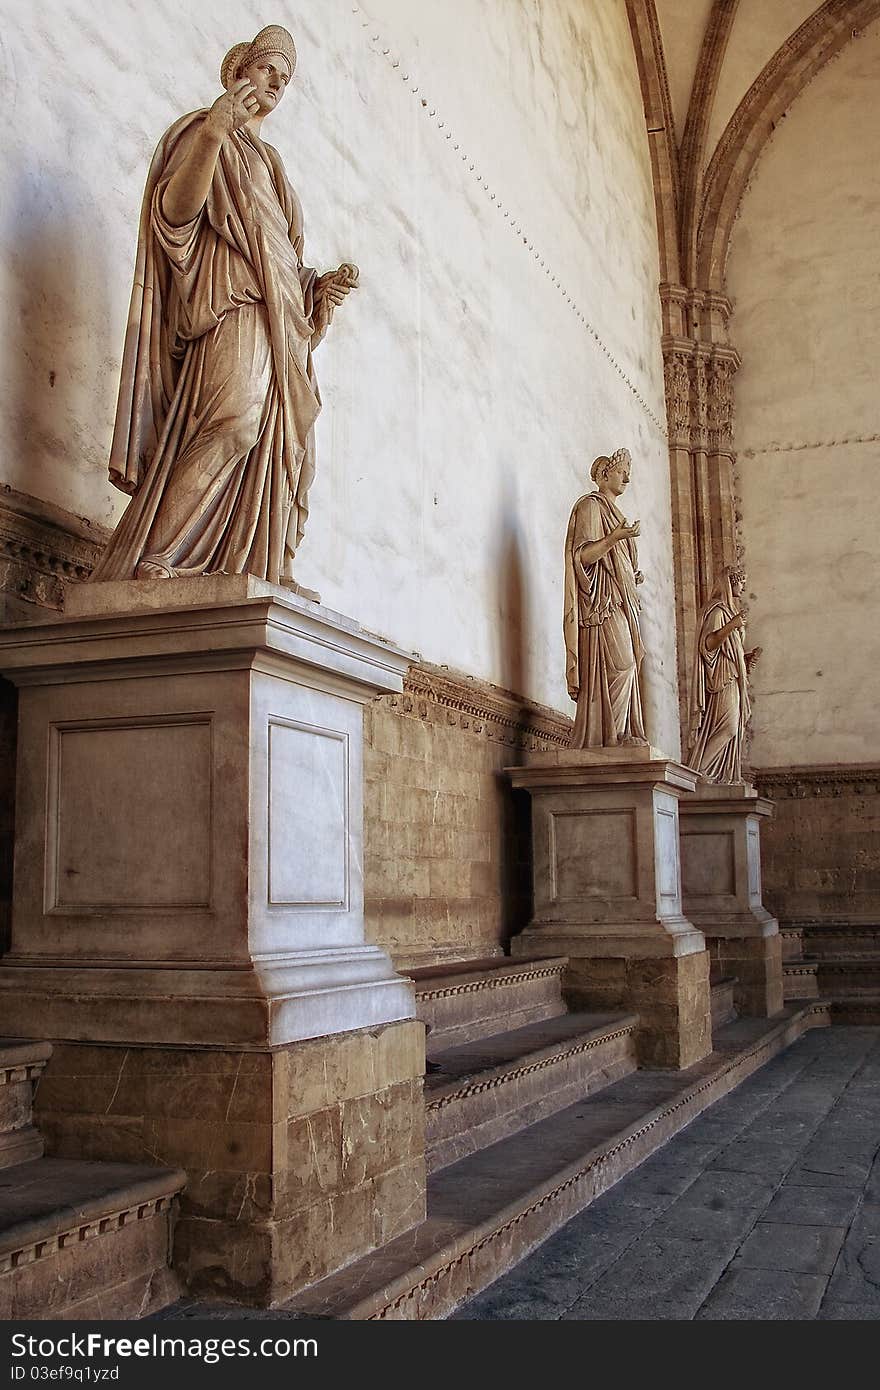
[[829, 779], [484, 709]]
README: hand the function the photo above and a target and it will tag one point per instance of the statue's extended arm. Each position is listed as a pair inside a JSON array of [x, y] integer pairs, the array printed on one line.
[[591, 551], [714, 639], [190, 184]]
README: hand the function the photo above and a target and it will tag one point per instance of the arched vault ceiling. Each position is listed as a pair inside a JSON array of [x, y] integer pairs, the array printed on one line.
[[682, 24], [759, 29]]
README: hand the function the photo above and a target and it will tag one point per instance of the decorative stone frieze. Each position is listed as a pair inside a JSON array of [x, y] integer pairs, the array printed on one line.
[[480, 708], [41, 548], [795, 783]]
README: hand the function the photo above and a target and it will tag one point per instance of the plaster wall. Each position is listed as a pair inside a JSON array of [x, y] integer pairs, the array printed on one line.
[[485, 163], [802, 274]]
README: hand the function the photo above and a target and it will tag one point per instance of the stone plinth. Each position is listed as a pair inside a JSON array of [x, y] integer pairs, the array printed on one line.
[[188, 926], [299, 1159], [721, 885], [189, 819], [607, 892]]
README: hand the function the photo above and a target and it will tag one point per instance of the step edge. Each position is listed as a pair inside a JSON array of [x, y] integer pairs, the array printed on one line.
[[537, 1060], [19, 1237], [372, 1307], [567, 1176], [497, 978]]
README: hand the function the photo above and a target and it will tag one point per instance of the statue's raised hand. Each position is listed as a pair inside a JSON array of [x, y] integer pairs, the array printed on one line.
[[233, 109], [626, 532], [329, 292]]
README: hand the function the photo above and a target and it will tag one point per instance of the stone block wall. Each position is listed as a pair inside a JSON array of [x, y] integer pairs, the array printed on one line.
[[298, 1160], [821, 850], [447, 857]]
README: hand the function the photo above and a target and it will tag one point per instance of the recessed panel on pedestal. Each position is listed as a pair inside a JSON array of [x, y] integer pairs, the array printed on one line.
[[593, 854], [129, 815], [308, 816], [707, 863], [754, 862], [667, 849]]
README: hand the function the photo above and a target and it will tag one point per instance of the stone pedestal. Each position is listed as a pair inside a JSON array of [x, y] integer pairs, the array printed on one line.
[[607, 892], [721, 886], [188, 912]]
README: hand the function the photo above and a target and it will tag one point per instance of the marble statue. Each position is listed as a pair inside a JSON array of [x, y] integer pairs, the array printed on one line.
[[721, 706], [218, 395], [603, 641]]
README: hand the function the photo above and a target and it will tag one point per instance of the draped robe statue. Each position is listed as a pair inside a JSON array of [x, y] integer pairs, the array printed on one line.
[[601, 617], [721, 705], [218, 395]]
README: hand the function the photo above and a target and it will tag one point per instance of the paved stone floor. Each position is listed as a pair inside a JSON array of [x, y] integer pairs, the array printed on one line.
[[767, 1206]]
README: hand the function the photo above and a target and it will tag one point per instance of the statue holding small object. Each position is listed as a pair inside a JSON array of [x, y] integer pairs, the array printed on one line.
[[218, 397], [603, 641], [721, 705]]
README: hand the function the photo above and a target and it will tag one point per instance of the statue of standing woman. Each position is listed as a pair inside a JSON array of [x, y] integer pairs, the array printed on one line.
[[218, 395], [603, 641], [721, 706]]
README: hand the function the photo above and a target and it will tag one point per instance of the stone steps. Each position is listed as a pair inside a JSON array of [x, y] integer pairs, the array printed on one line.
[[475, 999], [489, 1088], [843, 943], [800, 979], [488, 1210], [722, 1001], [840, 979], [85, 1240], [21, 1066]]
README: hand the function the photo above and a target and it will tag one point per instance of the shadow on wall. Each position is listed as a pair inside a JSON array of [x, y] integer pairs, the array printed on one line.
[[515, 829], [57, 327]]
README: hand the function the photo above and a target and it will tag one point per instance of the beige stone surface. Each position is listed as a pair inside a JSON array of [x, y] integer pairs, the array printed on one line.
[[821, 850]]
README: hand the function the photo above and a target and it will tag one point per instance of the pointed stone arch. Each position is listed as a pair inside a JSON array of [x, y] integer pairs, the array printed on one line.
[[833, 25]]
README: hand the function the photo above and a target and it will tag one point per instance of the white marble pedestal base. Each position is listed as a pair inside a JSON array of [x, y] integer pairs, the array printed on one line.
[[721, 885], [607, 892], [189, 819]]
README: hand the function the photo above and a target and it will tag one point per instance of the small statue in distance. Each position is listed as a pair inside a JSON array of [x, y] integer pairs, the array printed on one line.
[[218, 395], [720, 705], [603, 641]]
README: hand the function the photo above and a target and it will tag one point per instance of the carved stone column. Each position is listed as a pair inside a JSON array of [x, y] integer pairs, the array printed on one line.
[[699, 366]]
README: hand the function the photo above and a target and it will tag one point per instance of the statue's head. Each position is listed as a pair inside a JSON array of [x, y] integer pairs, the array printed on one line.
[[268, 62], [737, 576], [730, 584], [611, 471]]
